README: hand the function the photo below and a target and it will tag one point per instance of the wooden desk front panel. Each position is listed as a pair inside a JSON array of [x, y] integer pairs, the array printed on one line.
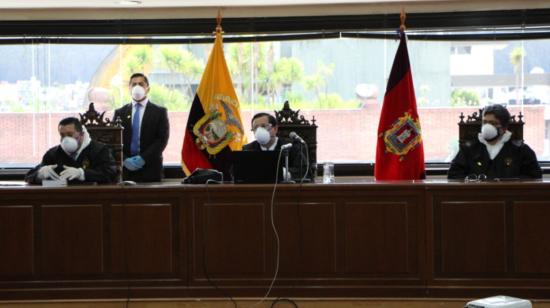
[[346, 240], [97, 240], [491, 235], [342, 236]]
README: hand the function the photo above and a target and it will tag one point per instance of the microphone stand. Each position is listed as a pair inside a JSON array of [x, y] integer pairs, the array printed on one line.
[[286, 175]]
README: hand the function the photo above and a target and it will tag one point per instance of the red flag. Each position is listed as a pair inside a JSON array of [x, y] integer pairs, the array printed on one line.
[[399, 150]]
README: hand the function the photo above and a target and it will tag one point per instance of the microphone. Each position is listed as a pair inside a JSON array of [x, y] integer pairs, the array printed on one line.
[[286, 146], [295, 137]]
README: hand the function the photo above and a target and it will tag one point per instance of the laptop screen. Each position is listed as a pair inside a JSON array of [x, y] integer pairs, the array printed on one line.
[[256, 167]]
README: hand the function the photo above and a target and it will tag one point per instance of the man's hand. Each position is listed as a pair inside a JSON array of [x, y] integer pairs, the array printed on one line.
[[71, 173], [134, 163], [47, 172]]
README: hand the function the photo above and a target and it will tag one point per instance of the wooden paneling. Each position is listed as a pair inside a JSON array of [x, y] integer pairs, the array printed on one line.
[[532, 237], [71, 240], [307, 233], [234, 237], [16, 241], [471, 238], [377, 238], [142, 236], [344, 240]]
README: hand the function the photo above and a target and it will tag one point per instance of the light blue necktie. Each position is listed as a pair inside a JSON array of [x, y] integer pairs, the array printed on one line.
[[134, 146]]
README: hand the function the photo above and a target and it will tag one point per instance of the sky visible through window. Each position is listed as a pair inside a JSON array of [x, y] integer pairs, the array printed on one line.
[[341, 82]]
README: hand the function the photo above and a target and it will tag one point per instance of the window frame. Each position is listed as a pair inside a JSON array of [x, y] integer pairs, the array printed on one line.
[[449, 26]]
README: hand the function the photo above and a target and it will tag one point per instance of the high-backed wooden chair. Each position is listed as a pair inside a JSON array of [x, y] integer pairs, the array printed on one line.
[[105, 131], [291, 121], [469, 129]]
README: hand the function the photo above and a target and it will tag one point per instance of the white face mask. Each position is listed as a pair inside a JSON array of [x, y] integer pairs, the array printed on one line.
[[489, 132], [138, 93], [262, 136], [69, 145]]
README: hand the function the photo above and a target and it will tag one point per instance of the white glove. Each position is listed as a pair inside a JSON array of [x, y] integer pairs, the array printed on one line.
[[71, 173], [47, 172]]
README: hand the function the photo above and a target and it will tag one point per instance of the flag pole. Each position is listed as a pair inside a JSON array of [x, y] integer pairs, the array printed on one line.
[[219, 22], [402, 17]]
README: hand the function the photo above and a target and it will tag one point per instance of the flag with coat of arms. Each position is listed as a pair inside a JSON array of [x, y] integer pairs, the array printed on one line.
[[399, 150], [214, 127]]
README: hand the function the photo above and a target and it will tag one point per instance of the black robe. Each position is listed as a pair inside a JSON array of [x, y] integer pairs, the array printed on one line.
[[297, 162], [96, 160], [515, 160]]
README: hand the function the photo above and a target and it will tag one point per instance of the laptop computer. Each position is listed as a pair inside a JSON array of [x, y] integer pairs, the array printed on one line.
[[251, 167]]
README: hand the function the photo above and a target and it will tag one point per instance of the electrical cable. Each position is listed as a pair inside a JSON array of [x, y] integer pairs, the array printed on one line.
[[278, 243], [204, 236], [284, 300]]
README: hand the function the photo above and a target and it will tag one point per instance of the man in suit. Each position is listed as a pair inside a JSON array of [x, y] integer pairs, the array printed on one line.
[[77, 159], [265, 128], [146, 132], [494, 154]]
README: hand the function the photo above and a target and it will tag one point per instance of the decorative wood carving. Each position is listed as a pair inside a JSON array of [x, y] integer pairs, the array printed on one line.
[[105, 131], [470, 125], [292, 121]]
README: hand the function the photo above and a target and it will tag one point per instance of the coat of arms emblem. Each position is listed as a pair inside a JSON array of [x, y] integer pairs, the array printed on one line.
[[403, 136]]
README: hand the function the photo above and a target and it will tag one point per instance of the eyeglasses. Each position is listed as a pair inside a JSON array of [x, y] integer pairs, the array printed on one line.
[[266, 126], [475, 178]]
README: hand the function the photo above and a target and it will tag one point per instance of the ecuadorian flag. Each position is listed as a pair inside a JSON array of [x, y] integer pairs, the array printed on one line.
[[214, 127]]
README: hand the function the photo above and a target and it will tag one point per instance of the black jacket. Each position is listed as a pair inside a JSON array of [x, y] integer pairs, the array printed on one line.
[[515, 160], [297, 161], [155, 131], [96, 160]]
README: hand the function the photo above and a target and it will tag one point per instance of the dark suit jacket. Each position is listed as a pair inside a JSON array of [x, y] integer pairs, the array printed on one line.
[[155, 131], [297, 162]]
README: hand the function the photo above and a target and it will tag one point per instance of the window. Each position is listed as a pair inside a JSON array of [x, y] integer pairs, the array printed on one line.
[[340, 81], [461, 50]]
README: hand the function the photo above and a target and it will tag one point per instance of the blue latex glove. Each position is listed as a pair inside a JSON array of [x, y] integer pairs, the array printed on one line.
[[134, 163], [138, 160]]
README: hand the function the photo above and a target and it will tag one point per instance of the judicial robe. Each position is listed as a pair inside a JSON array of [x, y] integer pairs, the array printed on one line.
[[96, 160], [515, 160], [297, 161]]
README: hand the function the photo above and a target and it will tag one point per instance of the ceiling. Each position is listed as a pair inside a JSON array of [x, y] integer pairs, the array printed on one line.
[[183, 9], [33, 4]]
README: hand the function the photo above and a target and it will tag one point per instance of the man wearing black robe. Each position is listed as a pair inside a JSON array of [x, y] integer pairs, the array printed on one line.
[[76, 159], [296, 157], [494, 155]]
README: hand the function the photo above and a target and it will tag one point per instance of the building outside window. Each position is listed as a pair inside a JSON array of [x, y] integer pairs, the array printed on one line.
[[339, 81]]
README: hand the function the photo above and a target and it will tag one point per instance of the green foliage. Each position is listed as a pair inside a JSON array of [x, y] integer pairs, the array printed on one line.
[[173, 100], [422, 99], [462, 97], [317, 82], [334, 101], [138, 60], [184, 67], [287, 71], [516, 57], [248, 61], [183, 63], [274, 79], [13, 106]]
